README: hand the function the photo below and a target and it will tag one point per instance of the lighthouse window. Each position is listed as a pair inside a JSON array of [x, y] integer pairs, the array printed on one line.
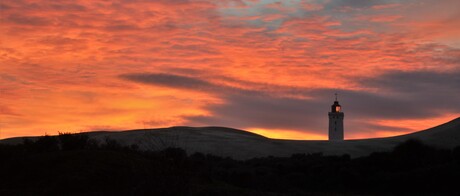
[[337, 108]]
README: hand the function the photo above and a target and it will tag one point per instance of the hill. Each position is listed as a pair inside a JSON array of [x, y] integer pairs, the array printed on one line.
[[241, 144]]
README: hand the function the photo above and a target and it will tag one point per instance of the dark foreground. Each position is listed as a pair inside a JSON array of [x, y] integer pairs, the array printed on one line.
[[74, 165]]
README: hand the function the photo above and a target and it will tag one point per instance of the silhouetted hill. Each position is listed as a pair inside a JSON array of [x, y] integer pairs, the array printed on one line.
[[445, 135], [96, 164], [241, 144]]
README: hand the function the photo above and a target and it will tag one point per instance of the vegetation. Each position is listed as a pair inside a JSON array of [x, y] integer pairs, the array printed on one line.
[[73, 164]]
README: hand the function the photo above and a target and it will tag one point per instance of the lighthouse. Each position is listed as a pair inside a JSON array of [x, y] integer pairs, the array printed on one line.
[[336, 121]]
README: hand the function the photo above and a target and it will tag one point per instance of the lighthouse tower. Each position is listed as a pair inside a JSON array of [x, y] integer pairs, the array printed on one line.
[[336, 121]]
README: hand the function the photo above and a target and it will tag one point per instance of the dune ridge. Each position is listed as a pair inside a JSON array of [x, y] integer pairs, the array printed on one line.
[[240, 144]]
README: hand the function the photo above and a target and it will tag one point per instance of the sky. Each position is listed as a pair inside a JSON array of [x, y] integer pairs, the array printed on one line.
[[269, 67]]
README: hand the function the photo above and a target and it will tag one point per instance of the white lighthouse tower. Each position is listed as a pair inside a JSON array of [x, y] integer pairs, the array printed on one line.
[[336, 121]]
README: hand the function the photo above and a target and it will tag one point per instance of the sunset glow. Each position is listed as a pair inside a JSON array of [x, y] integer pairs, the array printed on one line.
[[266, 66]]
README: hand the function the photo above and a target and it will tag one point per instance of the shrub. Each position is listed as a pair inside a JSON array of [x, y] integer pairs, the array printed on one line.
[[69, 141], [42, 144]]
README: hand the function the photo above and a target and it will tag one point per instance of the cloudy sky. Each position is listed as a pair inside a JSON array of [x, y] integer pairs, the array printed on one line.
[[271, 67]]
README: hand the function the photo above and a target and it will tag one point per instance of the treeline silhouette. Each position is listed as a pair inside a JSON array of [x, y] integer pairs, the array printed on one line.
[[73, 164]]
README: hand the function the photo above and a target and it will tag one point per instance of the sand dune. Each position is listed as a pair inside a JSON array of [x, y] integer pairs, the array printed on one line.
[[240, 144]]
